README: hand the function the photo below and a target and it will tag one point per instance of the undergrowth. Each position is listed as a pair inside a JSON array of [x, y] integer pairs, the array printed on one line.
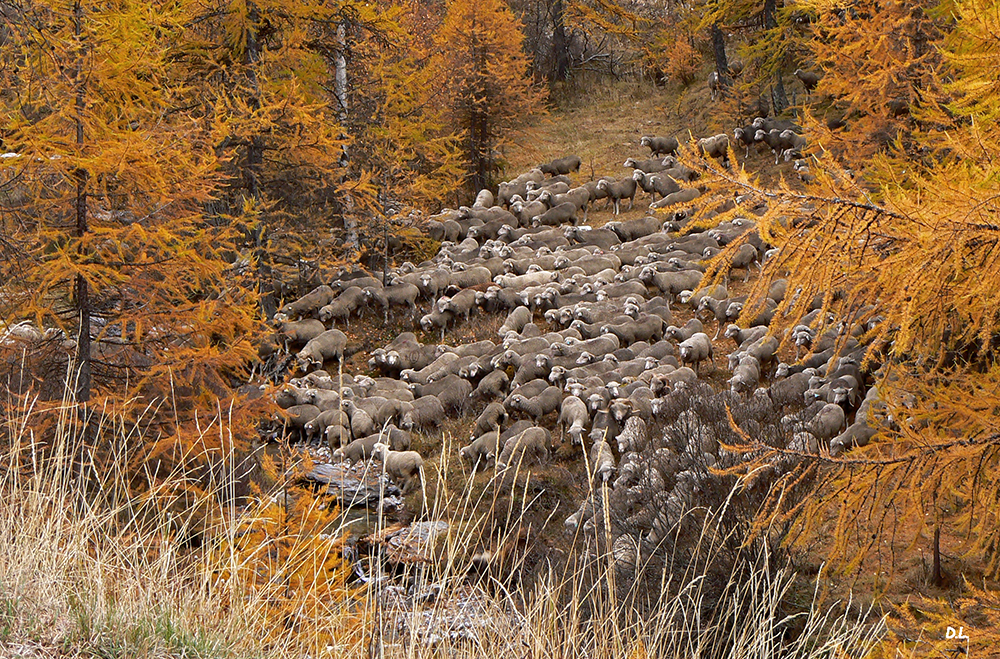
[[84, 573]]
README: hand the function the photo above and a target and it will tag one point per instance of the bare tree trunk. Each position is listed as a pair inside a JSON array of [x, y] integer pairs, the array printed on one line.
[[83, 306], [560, 45], [937, 578], [719, 48], [352, 241], [779, 100], [252, 165]]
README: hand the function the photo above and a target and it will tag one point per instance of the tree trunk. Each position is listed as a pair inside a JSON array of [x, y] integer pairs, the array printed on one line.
[[779, 100], [560, 46], [937, 579], [352, 241], [719, 48], [83, 307], [252, 165]]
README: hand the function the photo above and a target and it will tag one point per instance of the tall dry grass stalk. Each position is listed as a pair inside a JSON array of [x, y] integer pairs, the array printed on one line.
[[88, 567]]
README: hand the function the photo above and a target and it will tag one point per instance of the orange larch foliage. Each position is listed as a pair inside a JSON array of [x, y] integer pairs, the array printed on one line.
[[481, 76], [901, 235]]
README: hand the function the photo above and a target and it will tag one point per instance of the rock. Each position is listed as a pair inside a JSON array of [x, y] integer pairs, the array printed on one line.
[[357, 485], [417, 543]]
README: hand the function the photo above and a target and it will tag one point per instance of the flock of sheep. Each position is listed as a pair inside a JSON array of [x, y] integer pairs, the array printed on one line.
[[589, 352]]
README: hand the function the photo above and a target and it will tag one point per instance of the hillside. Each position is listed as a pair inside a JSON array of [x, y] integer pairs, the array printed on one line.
[[277, 378]]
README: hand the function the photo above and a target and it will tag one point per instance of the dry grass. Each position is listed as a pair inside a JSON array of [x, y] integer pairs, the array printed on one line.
[[86, 569]]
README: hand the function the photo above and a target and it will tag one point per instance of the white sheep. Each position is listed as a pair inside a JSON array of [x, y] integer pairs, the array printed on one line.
[[401, 466]]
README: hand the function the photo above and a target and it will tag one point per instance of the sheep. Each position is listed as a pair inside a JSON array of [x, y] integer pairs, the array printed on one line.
[[689, 329], [789, 390], [643, 328], [857, 434], [746, 376], [601, 238], [741, 336], [331, 344], [362, 423], [809, 79], [697, 349], [437, 319], [600, 345], [796, 143], [716, 146], [324, 399], [622, 189], [745, 135], [531, 444], [309, 303], [518, 186], [438, 366], [291, 395], [425, 412], [670, 283], [297, 416], [827, 423], [491, 387], [714, 84], [461, 304], [602, 462], [343, 306], [441, 231], [397, 295], [583, 515], [716, 291], [451, 390], [545, 402], [401, 466], [431, 282], [591, 265], [682, 196], [325, 419], [482, 450], [660, 146], [573, 416], [768, 124], [526, 210], [580, 197], [634, 229], [634, 437], [780, 141], [651, 166], [359, 450], [492, 418], [563, 165], [483, 200], [469, 277], [655, 184], [299, 333], [559, 182], [519, 282]]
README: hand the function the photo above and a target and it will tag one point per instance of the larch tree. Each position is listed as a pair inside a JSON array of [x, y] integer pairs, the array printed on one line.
[[266, 76], [907, 231], [105, 179], [400, 134], [482, 75]]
